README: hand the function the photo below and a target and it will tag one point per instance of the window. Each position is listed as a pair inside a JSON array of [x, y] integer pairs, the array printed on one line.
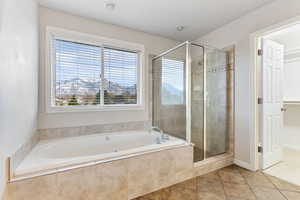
[[93, 76], [78, 73], [172, 90], [120, 76]]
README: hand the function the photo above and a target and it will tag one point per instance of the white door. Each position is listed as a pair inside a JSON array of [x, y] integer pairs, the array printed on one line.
[[272, 73]]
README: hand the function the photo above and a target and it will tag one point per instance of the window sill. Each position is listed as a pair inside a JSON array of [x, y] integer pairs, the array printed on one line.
[[85, 109]]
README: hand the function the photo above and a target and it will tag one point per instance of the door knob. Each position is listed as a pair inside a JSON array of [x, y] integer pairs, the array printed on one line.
[[283, 109]]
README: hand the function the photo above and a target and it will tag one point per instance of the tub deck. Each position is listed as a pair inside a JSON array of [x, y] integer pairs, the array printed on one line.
[[55, 155]]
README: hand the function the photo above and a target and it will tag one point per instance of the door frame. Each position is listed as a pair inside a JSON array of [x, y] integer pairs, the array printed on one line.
[[255, 85]]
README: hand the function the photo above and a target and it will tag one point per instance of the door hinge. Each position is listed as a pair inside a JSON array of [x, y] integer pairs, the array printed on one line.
[[260, 149], [260, 100], [259, 52]]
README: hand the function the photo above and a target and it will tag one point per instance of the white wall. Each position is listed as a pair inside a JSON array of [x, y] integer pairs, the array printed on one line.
[[153, 45], [18, 75], [238, 33]]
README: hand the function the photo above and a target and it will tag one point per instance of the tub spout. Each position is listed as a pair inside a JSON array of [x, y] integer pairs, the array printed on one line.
[[155, 128], [163, 135]]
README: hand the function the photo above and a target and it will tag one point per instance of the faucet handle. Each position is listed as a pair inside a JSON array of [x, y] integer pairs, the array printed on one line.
[[165, 136]]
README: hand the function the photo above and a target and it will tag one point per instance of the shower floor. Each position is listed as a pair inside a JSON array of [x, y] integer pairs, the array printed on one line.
[[230, 183]]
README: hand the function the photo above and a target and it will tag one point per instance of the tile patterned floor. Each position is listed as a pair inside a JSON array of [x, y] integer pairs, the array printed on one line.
[[230, 183], [289, 168]]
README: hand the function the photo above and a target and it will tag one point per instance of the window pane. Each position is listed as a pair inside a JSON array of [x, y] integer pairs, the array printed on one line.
[[172, 91], [120, 76], [78, 69]]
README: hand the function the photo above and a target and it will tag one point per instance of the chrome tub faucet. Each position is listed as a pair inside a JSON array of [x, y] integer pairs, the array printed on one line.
[[163, 136]]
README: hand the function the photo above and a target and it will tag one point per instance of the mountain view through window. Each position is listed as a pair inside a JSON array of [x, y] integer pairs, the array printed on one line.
[[79, 79]]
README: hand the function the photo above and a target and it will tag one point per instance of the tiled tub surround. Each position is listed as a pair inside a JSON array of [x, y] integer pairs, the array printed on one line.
[[54, 155], [55, 133], [119, 179], [123, 179]]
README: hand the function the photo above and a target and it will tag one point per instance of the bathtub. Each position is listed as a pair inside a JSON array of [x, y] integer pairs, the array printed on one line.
[[55, 155]]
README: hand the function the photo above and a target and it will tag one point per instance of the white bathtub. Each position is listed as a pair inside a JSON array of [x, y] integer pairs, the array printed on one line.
[[50, 156]]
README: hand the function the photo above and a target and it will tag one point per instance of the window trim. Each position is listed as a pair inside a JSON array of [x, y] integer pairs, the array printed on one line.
[[50, 71]]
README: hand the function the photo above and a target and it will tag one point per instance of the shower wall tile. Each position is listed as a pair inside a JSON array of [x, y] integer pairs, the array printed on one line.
[[172, 120], [220, 88]]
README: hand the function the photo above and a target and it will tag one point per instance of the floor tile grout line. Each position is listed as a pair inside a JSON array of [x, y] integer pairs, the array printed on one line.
[[274, 185], [288, 190], [223, 186], [248, 184], [226, 196]]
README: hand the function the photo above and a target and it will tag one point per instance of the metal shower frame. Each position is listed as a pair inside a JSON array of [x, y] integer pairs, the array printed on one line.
[[188, 65]]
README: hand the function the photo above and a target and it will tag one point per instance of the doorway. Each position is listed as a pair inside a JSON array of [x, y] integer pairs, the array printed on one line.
[[278, 102]]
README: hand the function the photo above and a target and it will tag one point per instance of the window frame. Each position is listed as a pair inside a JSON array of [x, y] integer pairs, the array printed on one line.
[[73, 36]]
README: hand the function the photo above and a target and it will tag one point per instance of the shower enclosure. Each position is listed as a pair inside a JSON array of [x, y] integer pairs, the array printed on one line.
[[192, 93]]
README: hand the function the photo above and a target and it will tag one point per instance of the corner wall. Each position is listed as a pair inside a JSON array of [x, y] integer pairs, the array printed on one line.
[[18, 76], [238, 33], [2, 176]]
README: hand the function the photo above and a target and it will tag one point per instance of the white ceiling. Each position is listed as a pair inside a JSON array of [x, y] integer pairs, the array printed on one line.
[[161, 17]]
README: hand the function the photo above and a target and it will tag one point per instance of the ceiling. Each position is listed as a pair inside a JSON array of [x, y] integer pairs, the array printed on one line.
[[161, 17]]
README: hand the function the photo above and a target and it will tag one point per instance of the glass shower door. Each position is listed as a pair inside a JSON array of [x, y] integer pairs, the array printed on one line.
[[219, 102], [197, 101], [169, 92], [192, 92]]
